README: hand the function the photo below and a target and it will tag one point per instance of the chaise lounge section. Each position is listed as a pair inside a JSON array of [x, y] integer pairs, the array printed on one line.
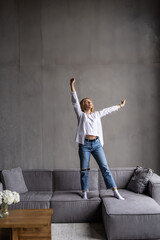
[[138, 216]]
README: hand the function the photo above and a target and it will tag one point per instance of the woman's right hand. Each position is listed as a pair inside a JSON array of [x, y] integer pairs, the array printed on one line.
[[72, 81]]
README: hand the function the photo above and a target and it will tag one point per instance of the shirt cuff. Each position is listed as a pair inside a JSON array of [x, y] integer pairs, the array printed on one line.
[[73, 93]]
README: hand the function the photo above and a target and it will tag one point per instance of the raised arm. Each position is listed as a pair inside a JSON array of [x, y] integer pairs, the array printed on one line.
[[75, 100], [109, 110], [72, 82]]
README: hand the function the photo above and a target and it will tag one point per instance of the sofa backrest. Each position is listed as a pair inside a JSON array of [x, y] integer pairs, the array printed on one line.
[[69, 180], [38, 180], [120, 175]]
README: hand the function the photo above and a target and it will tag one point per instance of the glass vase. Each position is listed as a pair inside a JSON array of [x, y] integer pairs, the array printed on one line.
[[4, 212]]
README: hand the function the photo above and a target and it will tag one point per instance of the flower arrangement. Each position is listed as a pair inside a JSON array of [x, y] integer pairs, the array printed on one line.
[[7, 198]]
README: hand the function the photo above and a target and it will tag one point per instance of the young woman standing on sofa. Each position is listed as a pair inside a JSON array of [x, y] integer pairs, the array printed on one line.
[[90, 138]]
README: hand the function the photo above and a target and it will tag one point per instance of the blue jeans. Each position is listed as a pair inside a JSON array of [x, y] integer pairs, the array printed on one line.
[[95, 148]]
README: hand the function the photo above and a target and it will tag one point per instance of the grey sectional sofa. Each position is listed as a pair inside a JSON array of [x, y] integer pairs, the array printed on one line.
[[138, 217]]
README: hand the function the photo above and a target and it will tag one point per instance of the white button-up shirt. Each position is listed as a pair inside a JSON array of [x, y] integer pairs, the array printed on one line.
[[89, 124]]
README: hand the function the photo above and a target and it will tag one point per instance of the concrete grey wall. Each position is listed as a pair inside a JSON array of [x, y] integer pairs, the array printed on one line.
[[111, 47]]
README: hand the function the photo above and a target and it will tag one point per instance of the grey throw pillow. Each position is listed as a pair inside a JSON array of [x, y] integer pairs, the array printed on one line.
[[14, 181], [139, 179]]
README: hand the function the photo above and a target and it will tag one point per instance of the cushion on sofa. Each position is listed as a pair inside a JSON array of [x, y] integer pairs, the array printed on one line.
[[33, 199], [36, 196], [139, 180], [69, 180], [73, 196], [1, 187], [38, 180], [120, 175], [133, 204], [13, 180]]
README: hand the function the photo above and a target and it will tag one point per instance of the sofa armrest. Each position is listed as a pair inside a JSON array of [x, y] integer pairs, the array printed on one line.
[[1, 187], [154, 187]]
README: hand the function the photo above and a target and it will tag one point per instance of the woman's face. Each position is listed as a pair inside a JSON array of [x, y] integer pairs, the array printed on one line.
[[88, 105]]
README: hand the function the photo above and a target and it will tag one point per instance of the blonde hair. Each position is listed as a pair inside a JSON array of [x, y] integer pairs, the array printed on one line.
[[82, 104]]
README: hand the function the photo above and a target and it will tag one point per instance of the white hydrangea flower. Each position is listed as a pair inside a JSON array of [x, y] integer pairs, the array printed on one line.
[[16, 197], [8, 197]]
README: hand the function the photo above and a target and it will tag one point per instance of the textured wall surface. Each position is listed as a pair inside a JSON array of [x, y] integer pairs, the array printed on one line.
[[110, 47]]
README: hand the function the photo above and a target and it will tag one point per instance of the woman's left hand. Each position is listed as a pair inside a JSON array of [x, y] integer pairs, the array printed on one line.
[[123, 102]]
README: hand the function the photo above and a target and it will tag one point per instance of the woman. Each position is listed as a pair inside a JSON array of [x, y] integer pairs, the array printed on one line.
[[90, 138]]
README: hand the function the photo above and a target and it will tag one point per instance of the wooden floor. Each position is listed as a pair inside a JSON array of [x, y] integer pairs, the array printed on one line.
[[78, 231]]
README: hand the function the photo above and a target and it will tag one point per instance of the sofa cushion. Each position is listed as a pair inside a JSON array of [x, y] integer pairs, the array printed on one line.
[[121, 176], [1, 187], [133, 204], [139, 179], [65, 180], [38, 180], [71, 207], [36, 196], [13, 180], [134, 218], [33, 200], [73, 195]]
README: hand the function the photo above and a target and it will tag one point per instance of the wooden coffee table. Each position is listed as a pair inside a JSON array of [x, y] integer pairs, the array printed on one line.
[[28, 224]]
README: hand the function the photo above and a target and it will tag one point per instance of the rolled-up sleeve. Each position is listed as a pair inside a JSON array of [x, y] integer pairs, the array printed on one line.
[[107, 111], [76, 104]]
